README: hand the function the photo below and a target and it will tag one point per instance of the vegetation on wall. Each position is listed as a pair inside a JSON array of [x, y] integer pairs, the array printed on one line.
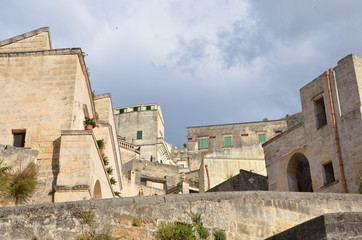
[[18, 186], [360, 185], [101, 143]]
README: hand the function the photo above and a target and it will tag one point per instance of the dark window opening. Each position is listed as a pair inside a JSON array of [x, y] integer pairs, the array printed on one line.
[[121, 110], [135, 109], [148, 107], [19, 139], [244, 134], [139, 134], [320, 112], [278, 131], [328, 173]]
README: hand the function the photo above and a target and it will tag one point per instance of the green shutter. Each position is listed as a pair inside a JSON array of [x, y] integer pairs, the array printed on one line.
[[148, 107], [135, 109], [121, 110], [139, 134], [262, 138], [203, 143], [227, 142]]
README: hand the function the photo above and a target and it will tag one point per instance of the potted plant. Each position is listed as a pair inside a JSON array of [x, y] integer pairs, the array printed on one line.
[[101, 145], [89, 123]]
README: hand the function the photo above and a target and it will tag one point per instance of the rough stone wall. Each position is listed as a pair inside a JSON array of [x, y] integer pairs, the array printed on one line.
[[223, 165], [244, 181], [244, 215], [36, 40], [15, 157]]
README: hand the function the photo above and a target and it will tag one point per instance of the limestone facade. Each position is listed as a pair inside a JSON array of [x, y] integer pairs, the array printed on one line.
[[143, 127], [220, 151], [45, 96], [318, 139]]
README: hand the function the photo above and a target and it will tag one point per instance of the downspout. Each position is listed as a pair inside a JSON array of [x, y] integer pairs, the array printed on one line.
[[335, 131], [208, 176]]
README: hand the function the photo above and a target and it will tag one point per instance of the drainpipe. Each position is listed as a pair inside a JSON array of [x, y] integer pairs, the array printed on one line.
[[208, 176], [335, 131]]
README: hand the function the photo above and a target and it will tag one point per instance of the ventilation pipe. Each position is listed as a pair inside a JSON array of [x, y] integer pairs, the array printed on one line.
[[335, 131]]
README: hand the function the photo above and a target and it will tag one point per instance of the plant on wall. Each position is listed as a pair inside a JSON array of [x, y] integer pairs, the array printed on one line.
[[18, 186], [101, 144], [113, 181], [360, 185], [90, 121], [110, 170], [105, 159]]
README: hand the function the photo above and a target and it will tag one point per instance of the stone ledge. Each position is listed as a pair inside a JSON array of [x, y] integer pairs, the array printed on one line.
[[76, 132]]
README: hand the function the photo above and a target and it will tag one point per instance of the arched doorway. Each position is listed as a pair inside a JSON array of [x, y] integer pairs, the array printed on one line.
[[97, 192], [299, 177]]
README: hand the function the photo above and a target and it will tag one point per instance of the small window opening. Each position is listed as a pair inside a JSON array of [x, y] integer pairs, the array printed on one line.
[[148, 108], [135, 109], [19, 138], [139, 134], [121, 110], [203, 144], [320, 112], [262, 138], [328, 173], [228, 142]]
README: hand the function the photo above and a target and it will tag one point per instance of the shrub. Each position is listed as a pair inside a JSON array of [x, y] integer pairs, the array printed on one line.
[[219, 234], [101, 143], [20, 185], [175, 231], [118, 194], [92, 235], [113, 181], [203, 232], [110, 170], [136, 222], [87, 217]]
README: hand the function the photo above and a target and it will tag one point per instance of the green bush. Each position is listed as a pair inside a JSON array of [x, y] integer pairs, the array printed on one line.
[[219, 234], [110, 170], [87, 217], [92, 235], [136, 222], [203, 232], [101, 143], [20, 185], [113, 181], [175, 231]]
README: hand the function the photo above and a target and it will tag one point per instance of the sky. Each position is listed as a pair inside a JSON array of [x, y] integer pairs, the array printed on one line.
[[205, 62]]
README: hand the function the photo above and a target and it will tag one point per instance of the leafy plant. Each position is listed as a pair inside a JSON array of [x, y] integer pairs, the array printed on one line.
[[203, 232], [92, 235], [110, 170], [175, 231], [199, 226], [105, 159], [90, 121], [360, 185], [113, 181], [20, 185], [219, 234], [136, 222], [118, 194], [87, 217], [101, 143]]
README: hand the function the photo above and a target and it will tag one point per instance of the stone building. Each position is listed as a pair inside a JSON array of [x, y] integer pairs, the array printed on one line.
[[220, 151], [45, 96], [141, 127], [321, 149]]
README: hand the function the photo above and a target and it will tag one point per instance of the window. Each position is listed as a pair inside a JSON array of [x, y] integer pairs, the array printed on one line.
[[262, 138], [135, 109], [320, 112], [121, 110], [228, 142], [139, 134], [203, 144], [19, 138], [328, 173], [148, 108]]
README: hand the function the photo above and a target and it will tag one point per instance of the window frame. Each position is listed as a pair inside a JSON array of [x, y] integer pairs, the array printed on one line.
[[228, 143], [139, 135], [259, 137], [205, 145], [16, 142]]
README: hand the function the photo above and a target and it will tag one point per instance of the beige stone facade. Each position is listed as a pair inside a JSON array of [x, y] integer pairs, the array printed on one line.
[[220, 151], [45, 96], [143, 127], [319, 139]]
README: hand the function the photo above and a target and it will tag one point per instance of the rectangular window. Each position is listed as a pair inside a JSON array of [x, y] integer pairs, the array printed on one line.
[[135, 109], [121, 110], [244, 134], [328, 173], [19, 138], [320, 112], [139, 134], [228, 142], [262, 138], [148, 107], [203, 144]]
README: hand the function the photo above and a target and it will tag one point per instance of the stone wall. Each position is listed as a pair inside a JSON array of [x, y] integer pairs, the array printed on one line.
[[244, 215], [15, 157], [244, 181]]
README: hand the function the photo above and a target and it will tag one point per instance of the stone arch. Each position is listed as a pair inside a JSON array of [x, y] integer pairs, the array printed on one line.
[[298, 173], [97, 191]]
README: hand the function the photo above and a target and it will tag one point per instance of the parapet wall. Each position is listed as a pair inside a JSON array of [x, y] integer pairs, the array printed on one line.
[[244, 215]]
